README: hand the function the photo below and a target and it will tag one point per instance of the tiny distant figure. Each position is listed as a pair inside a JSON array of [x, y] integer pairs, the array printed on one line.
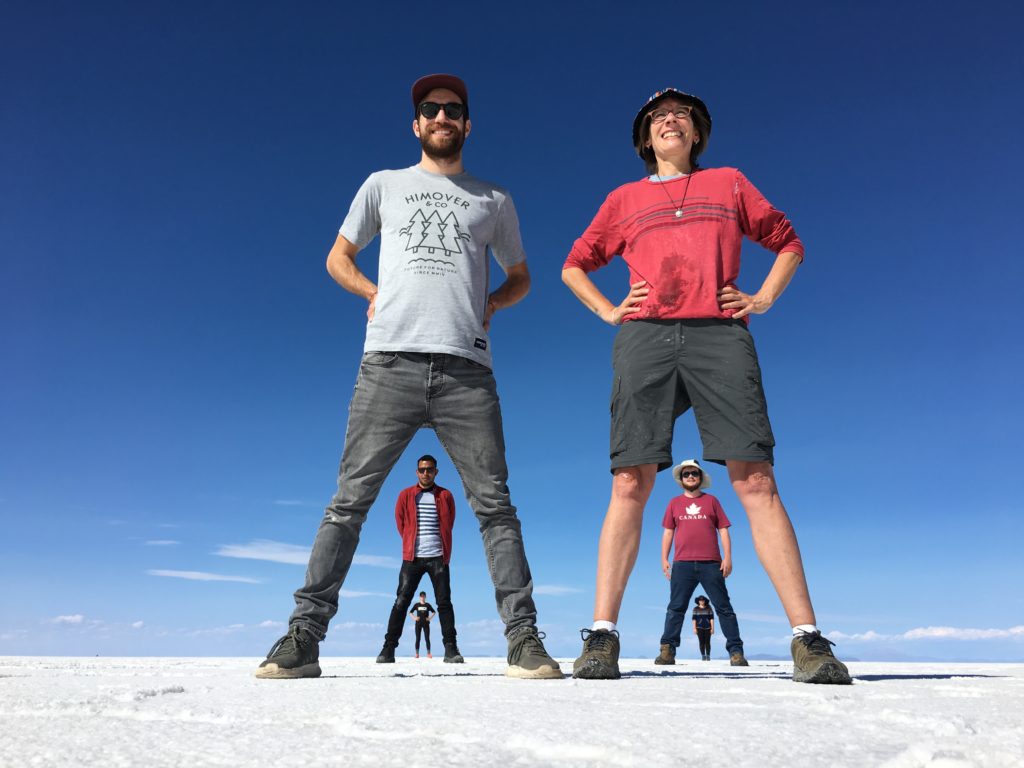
[[422, 612], [703, 627], [424, 515], [695, 521]]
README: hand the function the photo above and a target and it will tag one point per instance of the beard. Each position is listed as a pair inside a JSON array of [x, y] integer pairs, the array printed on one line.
[[442, 149]]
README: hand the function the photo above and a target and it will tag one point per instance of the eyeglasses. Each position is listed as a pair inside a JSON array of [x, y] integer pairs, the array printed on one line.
[[690, 474], [426, 470], [661, 115], [453, 111]]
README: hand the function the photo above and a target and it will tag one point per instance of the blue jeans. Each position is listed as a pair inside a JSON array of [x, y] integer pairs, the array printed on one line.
[[396, 394], [686, 575]]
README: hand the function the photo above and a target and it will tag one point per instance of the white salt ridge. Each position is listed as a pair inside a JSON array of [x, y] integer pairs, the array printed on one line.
[[213, 712]]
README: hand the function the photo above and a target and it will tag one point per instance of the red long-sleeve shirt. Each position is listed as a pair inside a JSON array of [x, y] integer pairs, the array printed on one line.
[[407, 522], [686, 259]]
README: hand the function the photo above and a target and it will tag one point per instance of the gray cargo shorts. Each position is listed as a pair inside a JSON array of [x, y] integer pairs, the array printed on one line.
[[663, 367]]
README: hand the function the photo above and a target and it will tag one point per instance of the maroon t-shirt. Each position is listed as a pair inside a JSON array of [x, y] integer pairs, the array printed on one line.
[[696, 522]]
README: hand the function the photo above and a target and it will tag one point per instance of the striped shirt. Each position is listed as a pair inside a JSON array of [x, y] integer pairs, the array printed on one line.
[[428, 531]]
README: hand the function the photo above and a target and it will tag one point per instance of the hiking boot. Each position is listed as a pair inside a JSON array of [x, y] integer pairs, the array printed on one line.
[[738, 660], [813, 661], [386, 655], [527, 658], [451, 654], [600, 657], [667, 655], [295, 655]]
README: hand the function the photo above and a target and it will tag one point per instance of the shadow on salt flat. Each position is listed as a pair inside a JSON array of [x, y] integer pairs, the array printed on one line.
[[876, 678], [412, 675], [711, 675]]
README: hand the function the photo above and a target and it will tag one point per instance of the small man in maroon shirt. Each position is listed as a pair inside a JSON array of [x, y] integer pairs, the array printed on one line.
[[693, 522]]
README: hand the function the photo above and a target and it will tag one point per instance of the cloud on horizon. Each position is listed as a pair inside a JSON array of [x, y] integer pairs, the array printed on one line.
[[291, 554], [201, 576], [935, 633], [162, 543], [75, 619], [555, 589]]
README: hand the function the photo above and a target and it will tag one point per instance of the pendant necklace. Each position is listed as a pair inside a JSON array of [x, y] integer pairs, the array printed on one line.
[[679, 208]]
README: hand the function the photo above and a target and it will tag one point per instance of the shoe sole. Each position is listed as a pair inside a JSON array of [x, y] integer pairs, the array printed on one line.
[[385, 661], [540, 673], [829, 673], [596, 671], [274, 672], [459, 660], [661, 663]]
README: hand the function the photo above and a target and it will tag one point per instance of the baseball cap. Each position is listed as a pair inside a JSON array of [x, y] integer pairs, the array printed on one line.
[[427, 83]]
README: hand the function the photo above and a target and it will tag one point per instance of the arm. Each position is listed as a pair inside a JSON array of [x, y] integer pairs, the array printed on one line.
[[695, 626], [775, 283], [592, 298], [341, 264], [723, 533], [399, 514], [515, 287], [666, 546], [712, 626]]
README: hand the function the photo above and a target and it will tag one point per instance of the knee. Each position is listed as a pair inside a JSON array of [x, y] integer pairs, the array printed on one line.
[[633, 484], [753, 481]]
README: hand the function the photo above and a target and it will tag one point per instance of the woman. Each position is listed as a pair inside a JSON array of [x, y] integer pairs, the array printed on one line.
[[684, 343]]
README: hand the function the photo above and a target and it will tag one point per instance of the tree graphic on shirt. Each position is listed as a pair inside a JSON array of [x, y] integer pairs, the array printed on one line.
[[434, 234]]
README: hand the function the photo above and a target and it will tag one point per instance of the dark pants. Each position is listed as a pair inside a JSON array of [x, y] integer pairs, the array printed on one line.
[[686, 575], [422, 628], [408, 582], [704, 641]]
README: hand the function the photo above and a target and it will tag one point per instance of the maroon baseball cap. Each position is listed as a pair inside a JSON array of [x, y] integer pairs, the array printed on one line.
[[427, 83]]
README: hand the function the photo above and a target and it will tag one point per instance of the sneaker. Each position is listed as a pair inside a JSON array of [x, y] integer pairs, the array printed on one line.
[[527, 658], [667, 655], [738, 660], [813, 661], [295, 655], [386, 655], [451, 654], [600, 657]]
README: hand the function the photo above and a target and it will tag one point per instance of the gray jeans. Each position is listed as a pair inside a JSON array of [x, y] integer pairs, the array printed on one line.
[[396, 394]]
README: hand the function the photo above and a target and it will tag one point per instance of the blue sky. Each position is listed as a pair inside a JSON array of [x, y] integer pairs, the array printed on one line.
[[177, 363]]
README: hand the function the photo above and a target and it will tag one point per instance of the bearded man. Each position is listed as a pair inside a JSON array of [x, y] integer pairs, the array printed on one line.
[[426, 363]]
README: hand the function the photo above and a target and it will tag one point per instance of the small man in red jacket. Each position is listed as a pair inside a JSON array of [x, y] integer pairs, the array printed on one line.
[[424, 514]]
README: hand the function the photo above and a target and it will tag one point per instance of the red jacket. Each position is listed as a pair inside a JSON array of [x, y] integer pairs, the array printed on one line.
[[405, 519]]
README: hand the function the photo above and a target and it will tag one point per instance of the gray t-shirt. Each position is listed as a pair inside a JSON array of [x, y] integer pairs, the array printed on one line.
[[432, 281]]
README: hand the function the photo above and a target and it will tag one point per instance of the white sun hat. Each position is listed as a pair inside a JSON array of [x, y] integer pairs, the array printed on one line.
[[705, 479]]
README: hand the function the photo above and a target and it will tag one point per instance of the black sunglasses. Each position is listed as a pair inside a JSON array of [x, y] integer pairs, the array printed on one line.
[[453, 110], [690, 474], [426, 470]]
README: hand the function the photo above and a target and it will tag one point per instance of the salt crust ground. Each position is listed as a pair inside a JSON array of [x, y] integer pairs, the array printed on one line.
[[213, 712]]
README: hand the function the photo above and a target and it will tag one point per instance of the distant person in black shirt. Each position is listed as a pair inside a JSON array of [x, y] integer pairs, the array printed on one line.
[[422, 612], [703, 626]]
